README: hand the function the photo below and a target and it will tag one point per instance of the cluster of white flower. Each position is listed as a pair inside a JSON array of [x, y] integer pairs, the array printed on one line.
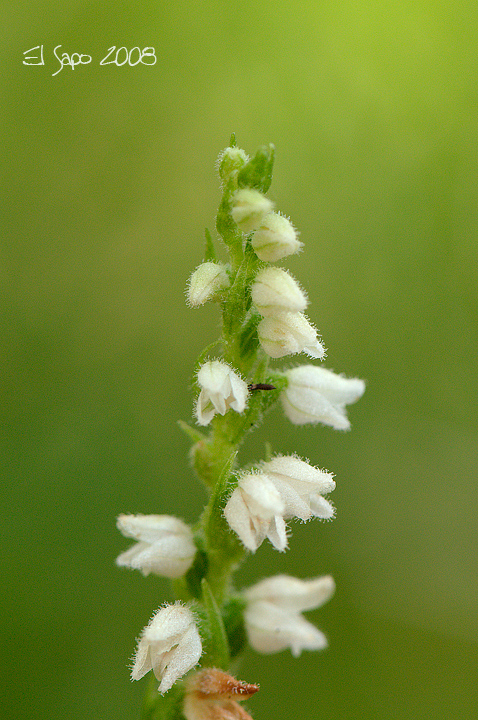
[[262, 499], [285, 487]]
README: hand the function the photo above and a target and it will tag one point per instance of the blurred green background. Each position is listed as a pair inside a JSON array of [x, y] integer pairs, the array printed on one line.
[[108, 184]]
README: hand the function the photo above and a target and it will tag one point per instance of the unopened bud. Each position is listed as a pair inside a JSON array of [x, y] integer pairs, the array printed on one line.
[[249, 207], [230, 161], [275, 238], [274, 290], [288, 333], [205, 282]]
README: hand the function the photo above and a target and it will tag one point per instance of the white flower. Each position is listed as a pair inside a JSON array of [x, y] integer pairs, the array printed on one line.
[[170, 646], [301, 487], [288, 333], [221, 389], [275, 239], [284, 488], [273, 614], [207, 280], [314, 395], [255, 511], [165, 544], [274, 291], [249, 207]]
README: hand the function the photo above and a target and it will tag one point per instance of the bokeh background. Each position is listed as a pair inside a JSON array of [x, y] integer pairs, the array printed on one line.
[[109, 182]]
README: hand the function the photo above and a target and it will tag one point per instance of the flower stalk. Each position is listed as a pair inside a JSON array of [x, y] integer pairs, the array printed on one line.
[[262, 319]]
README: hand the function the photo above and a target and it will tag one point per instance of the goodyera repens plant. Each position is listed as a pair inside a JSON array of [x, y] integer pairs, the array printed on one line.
[[190, 645]]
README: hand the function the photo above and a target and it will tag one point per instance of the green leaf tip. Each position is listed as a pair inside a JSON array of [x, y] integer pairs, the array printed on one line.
[[193, 434], [232, 142], [209, 251], [257, 173]]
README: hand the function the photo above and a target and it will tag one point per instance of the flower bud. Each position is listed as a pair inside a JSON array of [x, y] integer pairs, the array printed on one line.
[[275, 238], [273, 614], [207, 280], [165, 545], [317, 395], [230, 161], [249, 207], [289, 333], [221, 389], [170, 646], [274, 291]]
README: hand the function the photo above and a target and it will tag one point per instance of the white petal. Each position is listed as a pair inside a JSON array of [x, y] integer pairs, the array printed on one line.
[[254, 511], [288, 333], [127, 558], [271, 629], [315, 394], [239, 519], [170, 645], [205, 282], [169, 557], [321, 507], [306, 407], [296, 469], [168, 623], [142, 661], [295, 506], [261, 496], [205, 410], [221, 388], [239, 392], [292, 594], [336, 388], [149, 528], [182, 659], [277, 533]]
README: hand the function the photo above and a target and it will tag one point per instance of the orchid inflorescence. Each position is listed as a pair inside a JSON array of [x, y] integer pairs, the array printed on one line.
[[263, 317]]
